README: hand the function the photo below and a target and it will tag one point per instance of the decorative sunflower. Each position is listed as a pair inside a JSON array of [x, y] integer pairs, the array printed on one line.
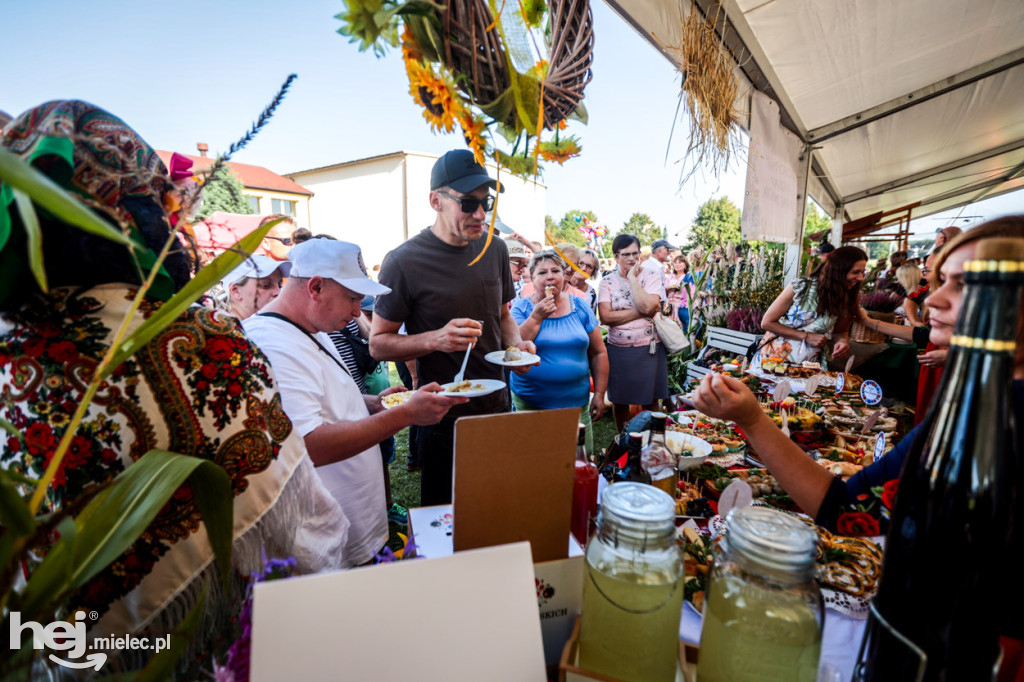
[[435, 92], [472, 130], [559, 150]]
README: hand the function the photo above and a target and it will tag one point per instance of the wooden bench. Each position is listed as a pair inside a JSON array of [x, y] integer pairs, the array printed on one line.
[[724, 339]]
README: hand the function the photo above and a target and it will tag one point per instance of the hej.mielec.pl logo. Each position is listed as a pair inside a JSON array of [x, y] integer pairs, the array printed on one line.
[[58, 636]]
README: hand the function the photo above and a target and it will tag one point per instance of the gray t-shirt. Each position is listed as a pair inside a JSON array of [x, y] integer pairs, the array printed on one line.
[[432, 283]]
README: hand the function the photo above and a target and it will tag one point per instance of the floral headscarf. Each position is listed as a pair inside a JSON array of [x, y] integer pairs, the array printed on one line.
[[105, 163]]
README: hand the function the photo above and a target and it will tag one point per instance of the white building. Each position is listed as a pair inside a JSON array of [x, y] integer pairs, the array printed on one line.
[[381, 201]]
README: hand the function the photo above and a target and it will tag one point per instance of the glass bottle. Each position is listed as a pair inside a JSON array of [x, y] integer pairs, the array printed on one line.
[[763, 616], [946, 577], [634, 464], [584, 491], [633, 587], [657, 459]]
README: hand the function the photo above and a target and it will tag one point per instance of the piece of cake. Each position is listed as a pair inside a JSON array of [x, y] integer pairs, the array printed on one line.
[[512, 354]]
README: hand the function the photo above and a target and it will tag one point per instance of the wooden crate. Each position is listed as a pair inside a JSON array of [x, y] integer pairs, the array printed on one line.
[[569, 670]]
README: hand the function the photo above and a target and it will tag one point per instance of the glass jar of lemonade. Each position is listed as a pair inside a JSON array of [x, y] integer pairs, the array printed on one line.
[[633, 588], [763, 615]]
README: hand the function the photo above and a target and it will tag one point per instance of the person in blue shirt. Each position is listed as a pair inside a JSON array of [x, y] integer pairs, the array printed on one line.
[[568, 340]]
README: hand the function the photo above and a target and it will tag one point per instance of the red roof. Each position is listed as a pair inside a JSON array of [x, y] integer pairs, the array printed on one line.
[[221, 230], [256, 177]]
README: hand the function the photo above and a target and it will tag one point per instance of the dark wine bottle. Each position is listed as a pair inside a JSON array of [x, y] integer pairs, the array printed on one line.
[[634, 467], [945, 569]]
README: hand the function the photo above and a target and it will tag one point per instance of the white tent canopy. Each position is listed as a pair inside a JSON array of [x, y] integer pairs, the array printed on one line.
[[900, 102]]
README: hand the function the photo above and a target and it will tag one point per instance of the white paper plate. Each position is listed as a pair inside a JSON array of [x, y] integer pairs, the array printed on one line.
[[488, 386], [498, 358]]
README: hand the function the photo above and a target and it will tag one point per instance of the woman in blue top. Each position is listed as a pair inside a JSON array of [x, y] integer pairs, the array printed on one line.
[[569, 343]]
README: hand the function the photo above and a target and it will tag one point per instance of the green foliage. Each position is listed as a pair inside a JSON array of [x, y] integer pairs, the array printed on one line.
[[189, 294], [717, 224], [641, 225], [568, 228], [815, 222], [371, 23], [225, 193], [876, 250]]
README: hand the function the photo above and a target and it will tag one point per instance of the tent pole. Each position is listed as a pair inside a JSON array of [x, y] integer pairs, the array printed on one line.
[[836, 238], [795, 251]]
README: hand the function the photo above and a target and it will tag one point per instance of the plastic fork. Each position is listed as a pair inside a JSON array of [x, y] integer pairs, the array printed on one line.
[[462, 370]]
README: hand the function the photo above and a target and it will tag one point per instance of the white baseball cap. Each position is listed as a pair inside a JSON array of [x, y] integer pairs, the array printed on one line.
[[516, 249], [337, 260], [258, 266]]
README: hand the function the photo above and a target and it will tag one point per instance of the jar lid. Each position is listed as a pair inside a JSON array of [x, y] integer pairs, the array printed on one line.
[[639, 502], [771, 539], [637, 513]]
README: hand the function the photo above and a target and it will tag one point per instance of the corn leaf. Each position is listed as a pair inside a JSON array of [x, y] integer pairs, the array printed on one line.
[[14, 514], [119, 514], [197, 286], [34, 234], [11, 429], [50, 196]]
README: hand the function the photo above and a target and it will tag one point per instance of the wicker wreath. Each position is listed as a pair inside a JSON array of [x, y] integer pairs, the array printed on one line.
[[470, 50]]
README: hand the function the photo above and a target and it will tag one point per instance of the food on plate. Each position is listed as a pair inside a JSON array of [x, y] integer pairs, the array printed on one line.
[[689, 502], [395, 399], [843, 469], [850, 565], [696, 564], [762, 484], [800, 418], [465, 387], [512, 354], [722, 437]]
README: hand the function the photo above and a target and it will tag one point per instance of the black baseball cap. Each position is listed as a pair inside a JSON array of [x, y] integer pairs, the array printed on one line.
[[658, 243], [459, 170]]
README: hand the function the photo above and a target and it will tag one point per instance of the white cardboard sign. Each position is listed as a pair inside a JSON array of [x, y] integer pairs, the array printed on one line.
[[478, 608]]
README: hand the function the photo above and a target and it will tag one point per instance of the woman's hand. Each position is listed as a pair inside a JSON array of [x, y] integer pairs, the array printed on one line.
[[596, 407], [723, 397], [840, 350], [815, 340], [933, 358], [544, 308]]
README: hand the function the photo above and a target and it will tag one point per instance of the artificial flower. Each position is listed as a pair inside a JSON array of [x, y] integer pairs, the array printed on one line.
[[436, 93], [857, 524], [559, 150]]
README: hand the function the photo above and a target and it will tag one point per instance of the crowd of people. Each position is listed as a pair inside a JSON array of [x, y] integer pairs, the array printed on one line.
[[282, 383]]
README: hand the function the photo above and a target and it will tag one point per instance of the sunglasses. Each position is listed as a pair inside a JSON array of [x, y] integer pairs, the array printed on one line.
[[471, 204], [287, 241]]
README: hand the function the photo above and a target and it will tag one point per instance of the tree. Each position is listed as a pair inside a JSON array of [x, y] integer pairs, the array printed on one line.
[[717, 223], [568, 228], [224, 193], [815, 222], [641, 225]]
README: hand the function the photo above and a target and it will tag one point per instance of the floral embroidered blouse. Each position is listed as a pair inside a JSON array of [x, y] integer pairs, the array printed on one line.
[[198, 388]]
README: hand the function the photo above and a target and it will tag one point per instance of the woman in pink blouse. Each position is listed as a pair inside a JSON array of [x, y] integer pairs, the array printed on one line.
[[637, 363]]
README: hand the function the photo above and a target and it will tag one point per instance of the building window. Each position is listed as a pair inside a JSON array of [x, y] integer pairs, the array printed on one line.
[[254, 203], [283, 206]]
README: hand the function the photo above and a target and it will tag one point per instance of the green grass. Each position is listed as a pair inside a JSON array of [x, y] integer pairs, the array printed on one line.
[[405, 484]]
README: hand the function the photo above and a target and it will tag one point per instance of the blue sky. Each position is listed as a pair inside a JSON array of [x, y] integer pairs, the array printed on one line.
[[188, 72]]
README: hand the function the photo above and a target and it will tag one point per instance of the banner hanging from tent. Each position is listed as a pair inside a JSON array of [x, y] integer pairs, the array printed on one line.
[[773, 161]]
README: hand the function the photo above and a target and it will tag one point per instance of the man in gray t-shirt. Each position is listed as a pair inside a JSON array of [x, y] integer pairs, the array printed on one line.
[[446, 304]]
